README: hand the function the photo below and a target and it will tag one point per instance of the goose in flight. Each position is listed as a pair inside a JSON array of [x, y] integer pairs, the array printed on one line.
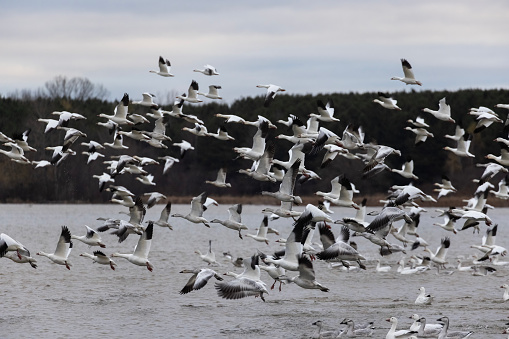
[[100, 258], [16, 153], [199, 279], [338, 249], [272, 90], [192, 93], [443, 113], [207, 70], [462, 148], [261, 235], [196, 213], [439, 256], [386, 101], [209, 257], [285, 192], [140, 254], [234, 221], [147, 101], [212, 94], [246, 284], [64, 247], [409, 77], [220, 180], [325, 111], [164, 68], [92, 238], [119, 116], [407, 171], [8, 244], [306, 278]]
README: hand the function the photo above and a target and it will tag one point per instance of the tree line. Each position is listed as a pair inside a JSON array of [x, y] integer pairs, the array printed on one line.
[[72, 181]]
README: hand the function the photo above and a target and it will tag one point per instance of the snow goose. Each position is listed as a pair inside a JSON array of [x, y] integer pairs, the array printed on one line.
[[256, 151], [16, 153], [8, 244], [163, 218], [92, 238], [234, 221], [503, 158], [319, 333], [133, 226], [505, 297], [335, 189], [351, 331], [120, 112], [207, 70], [103, 180], [261, 235], [464, 268], [306, 278], [337, 249], [140, 254], [378, 157], [393, 334], [407, 170], [312, 214], [164, 68], [196, 213], [169, 161], [220, 180], [491, 169], [221, 134], [293, 249], [409, 77], [22, 141], [284, 211], [503, 189], [386, 101], [423, 298], [4, 138], [51, 124], [439, 256], [154, 198], [462, 148], [209, 257], [100, 258], [346, 191], [419, 122], [450, 218], [64, 247], [444, 187], [382, 268], [22, 258], [416, 325], [458, 133], [65, 117], [445, 333], [147, 100], [260, 168], [408, 193], [271, 93], [246, 284], [386, 217], [421, 135], [443, 113], [325, 111], [274, 272], [184, 146], [427, 332], [192, 93], [118, 142], [212, 94], [285, 192], [230, 118], [199, 278]]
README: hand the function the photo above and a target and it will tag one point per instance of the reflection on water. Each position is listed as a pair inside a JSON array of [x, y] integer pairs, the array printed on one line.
[[92, 300]]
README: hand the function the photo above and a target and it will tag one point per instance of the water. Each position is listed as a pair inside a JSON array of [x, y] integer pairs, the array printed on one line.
[[92, 300]]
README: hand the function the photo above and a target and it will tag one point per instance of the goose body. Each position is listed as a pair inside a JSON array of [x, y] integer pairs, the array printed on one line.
[[141, 250], [164, 68], [92, 238], [64, 247], [100, 258], [409, 78]]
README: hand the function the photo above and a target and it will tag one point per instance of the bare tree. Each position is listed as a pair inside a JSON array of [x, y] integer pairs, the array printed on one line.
[[75, 88]]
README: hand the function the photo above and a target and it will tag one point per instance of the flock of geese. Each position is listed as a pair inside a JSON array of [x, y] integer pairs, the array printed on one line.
[[295, 262]]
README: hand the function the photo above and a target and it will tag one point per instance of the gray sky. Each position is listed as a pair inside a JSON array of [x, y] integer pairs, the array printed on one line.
[[305, 47]]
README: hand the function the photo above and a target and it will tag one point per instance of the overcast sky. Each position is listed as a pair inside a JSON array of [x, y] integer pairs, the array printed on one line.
[[305, 47]]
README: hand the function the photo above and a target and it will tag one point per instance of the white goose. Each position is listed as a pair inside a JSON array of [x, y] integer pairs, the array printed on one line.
[[196, 213], [163, 218], [246, 284], [212, 94], [199, 279], [234, 221], [306, 278], [443, 113], [16, 153], [207, 70], [326, 111], [285, 192], [462, 148], [140, 254], [505, 297], [164, 68], [407, 170], [257, 150], [119, 116], [64, 247], [8, 244], [271, 93], [209, 257], [220, 180], [261, 235], [386, 101], [423, 298], [100, 258], [439, 256], [409, 77], [192, 93], [147, 100], [393, 334], [92, 238]]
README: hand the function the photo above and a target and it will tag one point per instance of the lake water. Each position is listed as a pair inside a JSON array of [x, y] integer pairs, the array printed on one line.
[[91, 300]]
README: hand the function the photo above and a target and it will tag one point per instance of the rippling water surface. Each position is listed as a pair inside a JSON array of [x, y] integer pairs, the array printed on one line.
[[131, 302]]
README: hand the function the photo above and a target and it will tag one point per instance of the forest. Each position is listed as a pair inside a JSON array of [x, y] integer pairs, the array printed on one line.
[[72, 181]]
